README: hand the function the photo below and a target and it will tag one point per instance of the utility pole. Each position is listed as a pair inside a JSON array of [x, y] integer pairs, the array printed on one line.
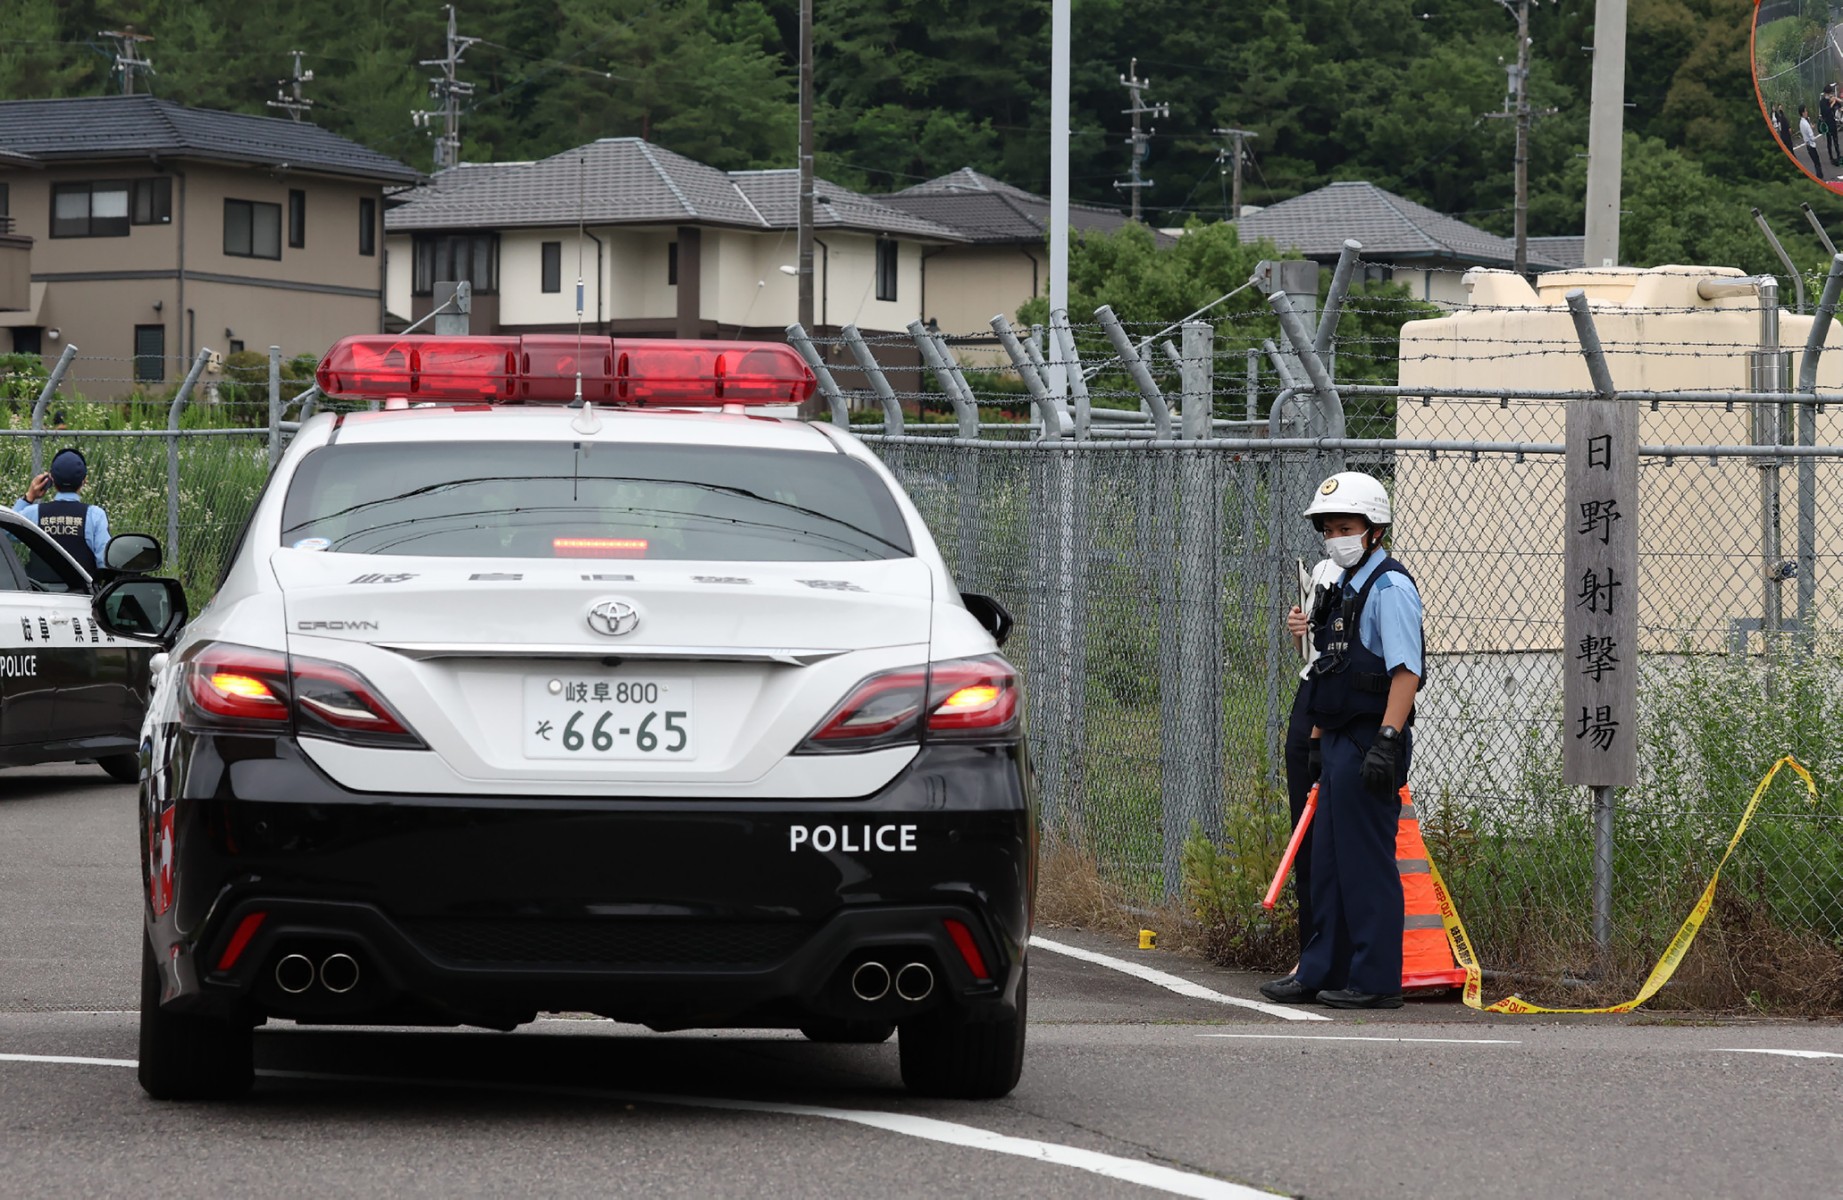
[[1517, 108], [447, 91], [1238, 135], [1140, 139], [297, 104], [804, 241], [1605, 134], [128, 61]]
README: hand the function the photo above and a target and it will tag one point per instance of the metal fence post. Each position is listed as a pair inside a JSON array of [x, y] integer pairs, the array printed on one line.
[[44, 400], [275, 406], [966, 476], [1064, 337], [1807, 466], [828, 386], [1136, 369], [1193, 717], [1603, 812], [873, 371], [1030, 371], [172, 450]]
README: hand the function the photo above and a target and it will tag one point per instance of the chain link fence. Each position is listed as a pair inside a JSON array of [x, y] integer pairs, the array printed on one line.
[[1150, 552]]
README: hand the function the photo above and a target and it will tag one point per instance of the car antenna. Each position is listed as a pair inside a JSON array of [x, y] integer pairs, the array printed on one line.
[[585, 421]]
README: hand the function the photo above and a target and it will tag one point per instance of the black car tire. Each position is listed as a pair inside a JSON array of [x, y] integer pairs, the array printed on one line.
[[123, 768], [945, 1054], [185, 1057], [866, 1033]]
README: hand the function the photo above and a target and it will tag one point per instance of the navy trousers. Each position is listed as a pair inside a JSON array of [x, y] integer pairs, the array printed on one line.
[[1356, 889], [1298, 787]]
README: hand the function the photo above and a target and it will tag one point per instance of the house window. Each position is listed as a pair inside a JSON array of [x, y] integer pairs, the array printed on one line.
[[153, 202], [6, 219], [89, 210], [28, 339], [886, 270], [149, 353], [472, 258], [367, 226], [671, 263], [236, 345], [297, 218], [553, 266], [252, 229]]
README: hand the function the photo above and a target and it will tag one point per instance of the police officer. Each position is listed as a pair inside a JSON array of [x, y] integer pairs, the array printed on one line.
[[82, 530], [1362, 689], [1302, 749]]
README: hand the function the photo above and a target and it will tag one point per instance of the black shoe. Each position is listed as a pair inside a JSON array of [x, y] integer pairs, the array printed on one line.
[[1288, 991], [1346, 998]]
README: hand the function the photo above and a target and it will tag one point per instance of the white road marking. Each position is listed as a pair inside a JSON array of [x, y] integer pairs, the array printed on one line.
[[1182, 987], [1784, 1053], [1110, 1166], [70, 1059], [1339, 1037]]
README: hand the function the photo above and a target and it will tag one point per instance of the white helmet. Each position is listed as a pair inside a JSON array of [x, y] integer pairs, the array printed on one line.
[[1351, 492]]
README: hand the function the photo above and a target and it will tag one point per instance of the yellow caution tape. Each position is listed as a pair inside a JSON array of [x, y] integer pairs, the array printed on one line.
[[1673, 954]]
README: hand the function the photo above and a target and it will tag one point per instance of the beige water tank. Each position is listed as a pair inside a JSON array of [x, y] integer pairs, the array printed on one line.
[[1485, 537]]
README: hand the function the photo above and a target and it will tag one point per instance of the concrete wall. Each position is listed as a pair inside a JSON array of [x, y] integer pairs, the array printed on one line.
[[1699, 537], [98, 289]]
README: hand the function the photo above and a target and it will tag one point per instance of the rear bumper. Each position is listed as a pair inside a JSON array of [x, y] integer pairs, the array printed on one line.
[[674, 914]]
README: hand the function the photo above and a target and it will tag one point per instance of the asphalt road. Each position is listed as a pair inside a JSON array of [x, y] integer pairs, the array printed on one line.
[[1129, 1088]]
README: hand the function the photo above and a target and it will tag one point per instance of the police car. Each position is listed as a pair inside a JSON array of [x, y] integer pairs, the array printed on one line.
[[70, 690], [647, 705]]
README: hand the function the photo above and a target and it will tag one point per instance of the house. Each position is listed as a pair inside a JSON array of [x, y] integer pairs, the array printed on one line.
[[156, 229], [1004, 260], [664, 246], [1402, 241]]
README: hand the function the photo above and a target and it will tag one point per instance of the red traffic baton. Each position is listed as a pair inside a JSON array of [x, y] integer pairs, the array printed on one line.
[[1292, 848]]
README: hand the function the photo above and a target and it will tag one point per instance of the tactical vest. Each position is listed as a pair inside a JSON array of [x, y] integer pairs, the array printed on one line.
[[1350, 682], [63, 522]]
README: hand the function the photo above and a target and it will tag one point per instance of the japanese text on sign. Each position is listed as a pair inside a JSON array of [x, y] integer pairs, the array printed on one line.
[[1600, 608]]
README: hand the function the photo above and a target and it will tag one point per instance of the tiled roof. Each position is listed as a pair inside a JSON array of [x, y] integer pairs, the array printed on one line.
[[1568, 249], [1387, 225], [114, 127], [984, 209], [634, 182], [777, 195]]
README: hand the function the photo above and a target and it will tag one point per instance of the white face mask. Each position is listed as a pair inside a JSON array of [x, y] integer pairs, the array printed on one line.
[[1346, 552]]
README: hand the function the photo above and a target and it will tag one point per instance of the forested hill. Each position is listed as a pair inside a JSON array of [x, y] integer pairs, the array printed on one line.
[[1397, 92]]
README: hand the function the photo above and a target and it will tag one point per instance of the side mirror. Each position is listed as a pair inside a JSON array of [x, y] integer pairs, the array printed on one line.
[[142, 608], [990, 613], [133, 554]]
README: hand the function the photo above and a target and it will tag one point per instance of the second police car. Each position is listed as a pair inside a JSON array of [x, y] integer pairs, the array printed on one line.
[[648, 707]]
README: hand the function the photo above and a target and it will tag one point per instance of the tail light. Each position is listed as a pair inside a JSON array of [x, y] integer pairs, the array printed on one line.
[[247, 690], [972, 699]]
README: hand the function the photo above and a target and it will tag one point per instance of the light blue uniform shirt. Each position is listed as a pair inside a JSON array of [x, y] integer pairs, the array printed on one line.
[[95, 521], [1391, 623]]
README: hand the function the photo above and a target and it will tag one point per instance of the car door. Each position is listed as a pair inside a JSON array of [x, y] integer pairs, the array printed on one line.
[[29, 669]]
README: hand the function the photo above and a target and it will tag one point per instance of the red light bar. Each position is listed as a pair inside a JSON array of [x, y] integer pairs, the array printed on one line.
[[590, 547], [542, 368], [246, 929]]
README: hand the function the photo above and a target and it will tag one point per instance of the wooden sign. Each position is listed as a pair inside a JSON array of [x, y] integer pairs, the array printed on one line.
[[1600, 600]]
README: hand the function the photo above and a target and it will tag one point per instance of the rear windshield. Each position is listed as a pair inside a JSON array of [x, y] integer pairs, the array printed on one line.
[[593, 500]]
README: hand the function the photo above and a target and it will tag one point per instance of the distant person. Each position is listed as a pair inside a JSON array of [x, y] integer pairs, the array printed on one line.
[[80, 529], [1807, 137], [1827, 107], [58, 420], [1782, 127]]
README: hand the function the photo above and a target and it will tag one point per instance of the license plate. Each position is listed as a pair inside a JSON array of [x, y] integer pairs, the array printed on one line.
[[608, 718]]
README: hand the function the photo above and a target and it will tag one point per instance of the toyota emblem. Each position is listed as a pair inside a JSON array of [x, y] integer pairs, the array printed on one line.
[[614, 618]]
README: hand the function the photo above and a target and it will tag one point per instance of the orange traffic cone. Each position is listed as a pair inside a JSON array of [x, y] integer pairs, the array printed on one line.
[[1426, 958]]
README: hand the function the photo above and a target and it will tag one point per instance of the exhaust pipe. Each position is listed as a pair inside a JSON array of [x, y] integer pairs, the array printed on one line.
[[294, 974], [871, 981], [339, 973], [914, 982]]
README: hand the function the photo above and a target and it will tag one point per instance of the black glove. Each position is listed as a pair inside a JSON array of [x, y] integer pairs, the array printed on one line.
[[1381, 766], [1314, 761]]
